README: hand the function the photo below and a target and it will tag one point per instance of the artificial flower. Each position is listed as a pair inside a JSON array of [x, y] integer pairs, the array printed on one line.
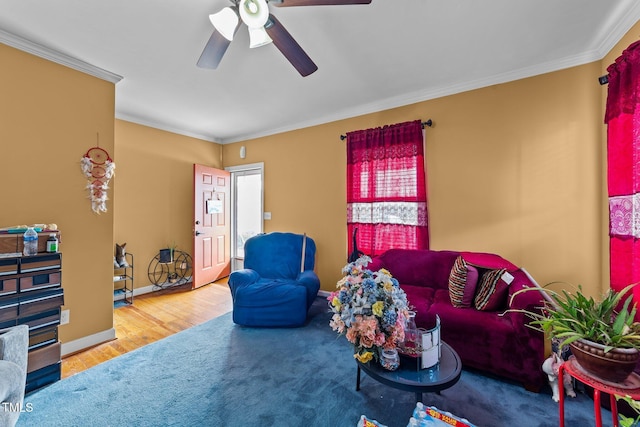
[[364, 357], [369, 308], [377, 308]]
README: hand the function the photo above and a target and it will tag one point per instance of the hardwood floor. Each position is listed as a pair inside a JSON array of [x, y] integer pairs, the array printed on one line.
[[152, 317]]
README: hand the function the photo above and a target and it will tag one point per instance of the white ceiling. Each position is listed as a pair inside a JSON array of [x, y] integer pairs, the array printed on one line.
[[370, 57]]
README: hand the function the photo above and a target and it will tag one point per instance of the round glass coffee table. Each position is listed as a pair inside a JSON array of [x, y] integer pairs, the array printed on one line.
[[409, 378]]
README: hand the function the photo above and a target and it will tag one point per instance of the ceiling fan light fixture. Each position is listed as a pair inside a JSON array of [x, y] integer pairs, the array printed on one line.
[[258, 37], [225, 22], [254, 13]]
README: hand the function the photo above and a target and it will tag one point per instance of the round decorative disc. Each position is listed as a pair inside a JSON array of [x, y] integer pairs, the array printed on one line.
[[97, 155], [98, 171]]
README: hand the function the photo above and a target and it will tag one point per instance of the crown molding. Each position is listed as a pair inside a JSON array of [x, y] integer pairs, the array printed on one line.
[[156, 124], [619, 24], [426, 95], [52, 55]]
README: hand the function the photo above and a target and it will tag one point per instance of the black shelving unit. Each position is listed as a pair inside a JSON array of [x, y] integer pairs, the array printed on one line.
[[124, 276], [177, 271]]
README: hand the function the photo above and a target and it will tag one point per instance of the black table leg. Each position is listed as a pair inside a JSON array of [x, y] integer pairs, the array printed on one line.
[[358, 380], [418, 397]]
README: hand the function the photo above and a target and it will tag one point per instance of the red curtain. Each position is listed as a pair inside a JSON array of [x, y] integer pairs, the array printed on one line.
[[386, 190], [623, 157]]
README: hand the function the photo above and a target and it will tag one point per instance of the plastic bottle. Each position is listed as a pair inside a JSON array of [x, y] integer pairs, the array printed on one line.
[[52, 243], [413, 422], [425, 420], [419, 407], [30, 239]]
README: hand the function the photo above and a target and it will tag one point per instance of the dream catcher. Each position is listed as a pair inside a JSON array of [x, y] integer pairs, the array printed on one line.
[[98, 167]]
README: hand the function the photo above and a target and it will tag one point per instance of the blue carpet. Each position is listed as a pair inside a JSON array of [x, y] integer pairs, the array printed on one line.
[[221, 374]]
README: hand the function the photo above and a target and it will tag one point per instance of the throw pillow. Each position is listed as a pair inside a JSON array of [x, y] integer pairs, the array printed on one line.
[[492, 291], [463, 281], [487, 261]]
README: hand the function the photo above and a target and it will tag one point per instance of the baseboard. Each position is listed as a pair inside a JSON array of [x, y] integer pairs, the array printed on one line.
[[83, 343], [136, 292], [145, 290]]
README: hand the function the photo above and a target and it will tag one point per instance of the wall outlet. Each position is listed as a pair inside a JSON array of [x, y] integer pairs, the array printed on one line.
[[267, 215], [64, 317]]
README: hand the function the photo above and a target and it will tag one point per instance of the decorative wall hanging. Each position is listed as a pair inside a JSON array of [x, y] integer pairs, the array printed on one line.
[[98, 167]]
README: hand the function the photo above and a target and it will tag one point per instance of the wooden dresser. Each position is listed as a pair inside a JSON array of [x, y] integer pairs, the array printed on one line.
[[31, 293]]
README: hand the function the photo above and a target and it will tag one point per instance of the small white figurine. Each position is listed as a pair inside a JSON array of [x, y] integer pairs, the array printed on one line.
[[551, 367]]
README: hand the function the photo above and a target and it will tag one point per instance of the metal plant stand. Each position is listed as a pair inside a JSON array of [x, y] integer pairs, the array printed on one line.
[[173, 273]]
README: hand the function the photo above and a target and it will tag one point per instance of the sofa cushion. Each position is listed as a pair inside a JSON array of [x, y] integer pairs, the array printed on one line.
[[492, 291], [419, 298], [487, 261], [463, 281], [417, 267]]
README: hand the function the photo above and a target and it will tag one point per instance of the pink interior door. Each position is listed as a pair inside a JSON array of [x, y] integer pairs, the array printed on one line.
[[211, 229]]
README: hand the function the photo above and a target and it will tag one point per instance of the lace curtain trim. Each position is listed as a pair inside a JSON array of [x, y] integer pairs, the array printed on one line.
[[624, 214], [404, 213]]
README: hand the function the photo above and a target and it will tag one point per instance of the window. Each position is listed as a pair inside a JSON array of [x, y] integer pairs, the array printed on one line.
[[247, 208], [386, 190]]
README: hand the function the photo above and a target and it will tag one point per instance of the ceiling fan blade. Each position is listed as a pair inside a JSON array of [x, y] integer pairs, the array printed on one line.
[[289, 47], [213, 51], [286, 3]]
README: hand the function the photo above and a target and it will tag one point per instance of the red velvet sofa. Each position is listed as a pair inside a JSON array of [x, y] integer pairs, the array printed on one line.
[[493, 339]]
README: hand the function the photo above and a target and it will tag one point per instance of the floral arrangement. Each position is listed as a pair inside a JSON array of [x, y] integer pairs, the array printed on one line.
[[369, 308]]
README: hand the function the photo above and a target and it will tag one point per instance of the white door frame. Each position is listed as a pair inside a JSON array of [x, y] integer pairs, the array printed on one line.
[[237, 262]]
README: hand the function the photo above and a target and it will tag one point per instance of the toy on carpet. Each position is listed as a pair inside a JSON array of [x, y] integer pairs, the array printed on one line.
[[551, 367], [430, 416], [366, 422]]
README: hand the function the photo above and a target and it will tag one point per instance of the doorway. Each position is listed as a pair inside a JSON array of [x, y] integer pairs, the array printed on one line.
[[247, 208], [211, 229]]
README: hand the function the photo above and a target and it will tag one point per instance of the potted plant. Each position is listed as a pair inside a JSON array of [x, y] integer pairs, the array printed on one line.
[[166, 254], [603, 335]]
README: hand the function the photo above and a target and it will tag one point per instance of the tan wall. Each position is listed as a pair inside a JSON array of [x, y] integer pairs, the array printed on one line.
[[304, 184], [513, 169], [49, 117], [154, 179], [517, 169]]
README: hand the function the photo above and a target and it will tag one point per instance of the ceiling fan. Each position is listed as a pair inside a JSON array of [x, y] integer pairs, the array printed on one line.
[[263, 27]]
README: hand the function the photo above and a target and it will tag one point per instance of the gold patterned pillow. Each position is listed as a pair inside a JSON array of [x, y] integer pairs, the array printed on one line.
[[463, 280], [492, 291]]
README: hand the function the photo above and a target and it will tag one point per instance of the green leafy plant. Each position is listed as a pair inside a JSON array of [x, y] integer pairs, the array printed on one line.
[[629, 421], [573, 316], [172, 248]]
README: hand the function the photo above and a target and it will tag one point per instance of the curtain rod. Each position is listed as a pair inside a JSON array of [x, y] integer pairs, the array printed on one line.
[[428, 123]]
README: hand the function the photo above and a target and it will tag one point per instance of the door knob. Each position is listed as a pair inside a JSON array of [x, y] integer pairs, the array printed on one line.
[[198, 233], [197, 222]]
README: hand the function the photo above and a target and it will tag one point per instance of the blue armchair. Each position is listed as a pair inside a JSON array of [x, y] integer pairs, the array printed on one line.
[[274, 289]]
